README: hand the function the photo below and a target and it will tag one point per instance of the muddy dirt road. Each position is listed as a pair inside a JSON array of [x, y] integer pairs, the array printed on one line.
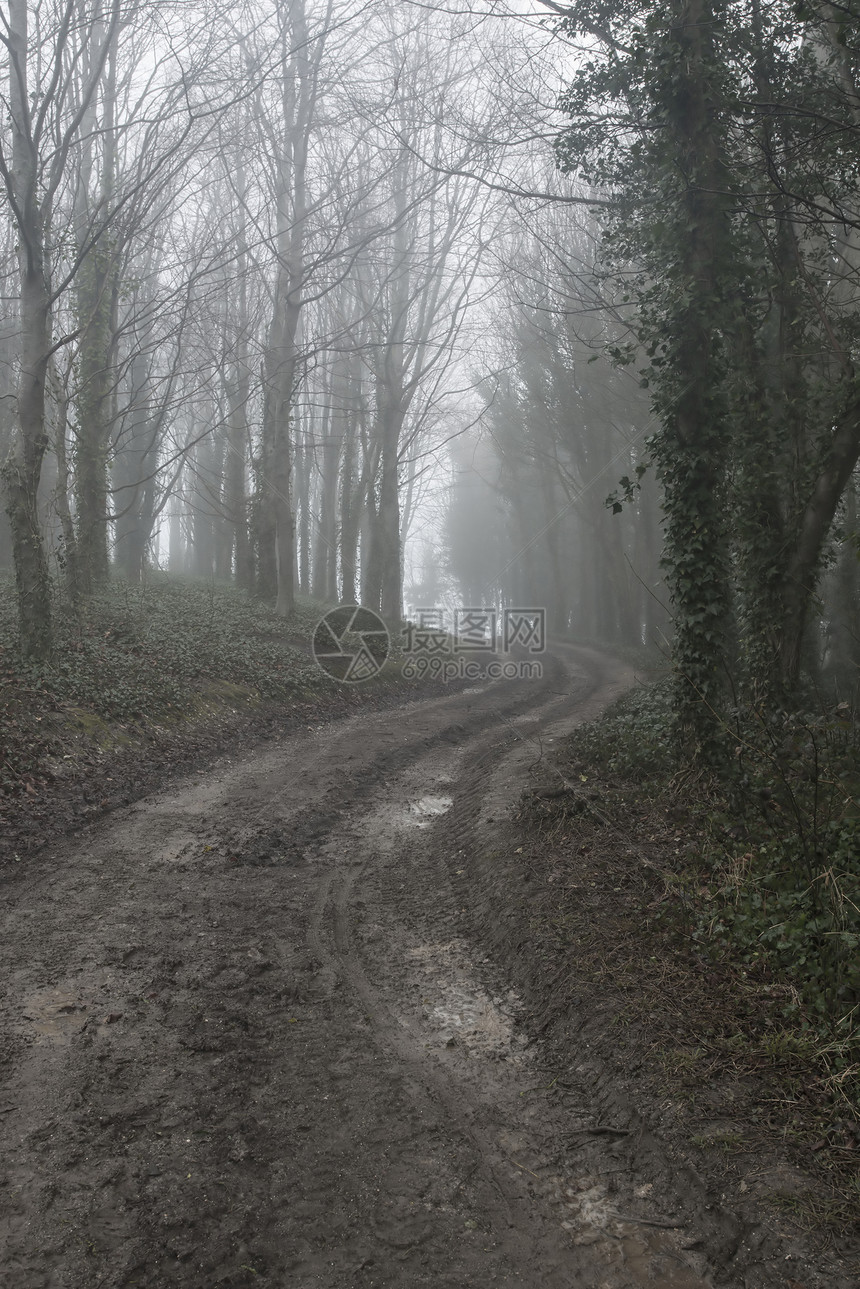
[[247, 1040]]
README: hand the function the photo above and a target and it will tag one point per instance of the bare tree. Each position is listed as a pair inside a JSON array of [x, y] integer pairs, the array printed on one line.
[[44, 124]]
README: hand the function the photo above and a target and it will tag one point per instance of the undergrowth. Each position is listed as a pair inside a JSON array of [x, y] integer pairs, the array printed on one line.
[[772, 883], [144, 655]]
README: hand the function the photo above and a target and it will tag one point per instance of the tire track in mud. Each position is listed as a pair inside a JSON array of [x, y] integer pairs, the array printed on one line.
[[150, 1091], [564, 1225], [228, 1024], [518, 1237]]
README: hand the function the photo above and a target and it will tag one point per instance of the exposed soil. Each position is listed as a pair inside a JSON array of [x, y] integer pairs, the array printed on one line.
[[88, 778], [279, 1023]]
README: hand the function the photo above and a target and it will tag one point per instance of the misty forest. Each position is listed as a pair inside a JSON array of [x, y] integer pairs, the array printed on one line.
[[477, 307]]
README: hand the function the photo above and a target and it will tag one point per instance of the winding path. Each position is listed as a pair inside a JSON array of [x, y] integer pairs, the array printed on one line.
[[246, 1039]]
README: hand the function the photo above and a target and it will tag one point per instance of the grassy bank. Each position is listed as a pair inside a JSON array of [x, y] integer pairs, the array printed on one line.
[[711, 926], [144, 661]]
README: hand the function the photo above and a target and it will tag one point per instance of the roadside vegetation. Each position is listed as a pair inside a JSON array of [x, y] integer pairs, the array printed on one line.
[[730, 902], [777, 874], [146, 662]]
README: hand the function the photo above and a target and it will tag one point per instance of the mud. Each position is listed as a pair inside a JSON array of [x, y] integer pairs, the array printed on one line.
[[254, 1032]]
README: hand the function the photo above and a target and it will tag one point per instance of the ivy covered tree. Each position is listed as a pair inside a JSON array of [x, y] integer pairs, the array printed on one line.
[[724, 138]]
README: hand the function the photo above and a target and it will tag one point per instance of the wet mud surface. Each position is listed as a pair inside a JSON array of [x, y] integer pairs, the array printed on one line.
[[249, 1036]]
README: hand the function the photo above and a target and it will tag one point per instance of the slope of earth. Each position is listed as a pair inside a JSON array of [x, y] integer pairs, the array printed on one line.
[[249, 1037], [150, 680], [586, 894]]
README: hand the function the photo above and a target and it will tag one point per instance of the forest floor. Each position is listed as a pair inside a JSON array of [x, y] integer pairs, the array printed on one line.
[[153, 680], [371, 988]]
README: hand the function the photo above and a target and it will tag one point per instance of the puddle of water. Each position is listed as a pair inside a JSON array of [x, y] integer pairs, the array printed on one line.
[[655, 1259], [589, 1208], [456, 1007], [647, 1256], [414, 800], [479, 1024], [54, 1015], [424, 811]]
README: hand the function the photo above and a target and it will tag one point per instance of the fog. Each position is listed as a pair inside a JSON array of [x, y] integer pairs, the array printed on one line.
[[298, 296]]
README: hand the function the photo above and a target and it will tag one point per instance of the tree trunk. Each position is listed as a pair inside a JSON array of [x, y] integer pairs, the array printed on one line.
[[692, 445], [133, 476], [97, 302], [96, 310], [280, 357], [304, 470], [235, 480], [818, 515], [371, 553], [68, 548], [352, 498], [325, 554], [353, 493], [390, 555], [22, 470], [281, 522]]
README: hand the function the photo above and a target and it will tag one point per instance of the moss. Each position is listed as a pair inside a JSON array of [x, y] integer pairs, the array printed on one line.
[[226, 693], [92, 726]]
